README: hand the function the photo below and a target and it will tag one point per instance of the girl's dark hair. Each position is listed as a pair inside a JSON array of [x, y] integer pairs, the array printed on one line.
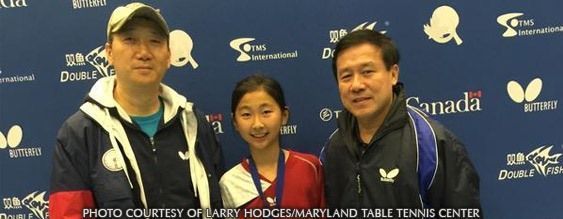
[[256, 82]]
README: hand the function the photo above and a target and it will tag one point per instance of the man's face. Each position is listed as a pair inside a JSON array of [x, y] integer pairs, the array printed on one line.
[[139, 53], [364, 83]]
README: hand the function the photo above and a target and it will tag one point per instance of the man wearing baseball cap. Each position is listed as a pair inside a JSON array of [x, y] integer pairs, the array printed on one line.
[[135, 142]]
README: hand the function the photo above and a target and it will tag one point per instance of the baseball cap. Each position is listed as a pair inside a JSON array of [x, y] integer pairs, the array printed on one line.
[[122, 14]]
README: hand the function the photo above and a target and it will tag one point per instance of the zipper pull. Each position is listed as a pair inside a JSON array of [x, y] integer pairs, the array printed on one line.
[[359, 183], [152, 144]]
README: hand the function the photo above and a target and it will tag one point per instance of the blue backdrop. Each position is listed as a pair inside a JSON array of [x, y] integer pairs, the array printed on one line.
[[489, 70]]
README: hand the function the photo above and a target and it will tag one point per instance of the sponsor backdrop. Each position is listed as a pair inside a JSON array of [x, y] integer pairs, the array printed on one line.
[[490, 71]]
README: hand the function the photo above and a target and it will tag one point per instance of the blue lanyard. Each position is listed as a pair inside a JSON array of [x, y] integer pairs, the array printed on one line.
[[279, 179]]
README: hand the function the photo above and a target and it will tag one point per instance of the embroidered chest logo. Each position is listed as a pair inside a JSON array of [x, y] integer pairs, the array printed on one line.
[[388, 176], [111, 161], [271, 201], [184, 155]]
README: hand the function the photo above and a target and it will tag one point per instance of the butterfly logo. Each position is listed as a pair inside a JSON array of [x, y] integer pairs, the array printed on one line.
[[518, 94], [388, 176]]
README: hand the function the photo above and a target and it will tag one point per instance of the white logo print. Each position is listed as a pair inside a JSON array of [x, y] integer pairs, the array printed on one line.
[[97, 58], [443, 24], [111, 161], [517, 93], [241, 45], [365, 26], [11, 141], [13, 137], [540, 158], [325, 114], [181, 46], [271, 201], [37, 204], [544, 163], [388, 177], [184, 155], [509, 21]]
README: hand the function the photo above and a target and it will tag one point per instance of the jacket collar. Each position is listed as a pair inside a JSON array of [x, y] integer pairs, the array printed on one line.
[[396, 118], [102, 94]]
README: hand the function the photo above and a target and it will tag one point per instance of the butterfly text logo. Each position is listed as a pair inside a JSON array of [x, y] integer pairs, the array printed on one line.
[[517, 93], [11, 140]]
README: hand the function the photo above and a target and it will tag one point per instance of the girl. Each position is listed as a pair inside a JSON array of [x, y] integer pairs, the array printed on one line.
[[271, 177]]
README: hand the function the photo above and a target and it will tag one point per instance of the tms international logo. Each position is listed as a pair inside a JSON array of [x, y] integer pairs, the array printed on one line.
[[516, 24], [35, 202], [248, 50], [181, 46], [80, 4], [11, 140], [469, 102], [443, 24], [12, 4], [543, 162], [528, 96], [327, 114], [337, 34], [216, 121], [17, 78]]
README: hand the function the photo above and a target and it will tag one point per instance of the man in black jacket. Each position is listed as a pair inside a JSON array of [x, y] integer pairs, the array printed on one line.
[[135, 143], [374, 159]]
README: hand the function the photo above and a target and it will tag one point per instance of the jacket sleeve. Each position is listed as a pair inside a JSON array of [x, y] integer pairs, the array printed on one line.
[[457, 184], [69, 192], [321, 186]]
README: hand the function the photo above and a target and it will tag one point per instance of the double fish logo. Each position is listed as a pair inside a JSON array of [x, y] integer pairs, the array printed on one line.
[[37, 204], [540, 158], [518, 94]]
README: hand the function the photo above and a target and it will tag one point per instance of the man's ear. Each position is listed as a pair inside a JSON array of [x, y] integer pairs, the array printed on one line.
[[109, 53], [395, 74]]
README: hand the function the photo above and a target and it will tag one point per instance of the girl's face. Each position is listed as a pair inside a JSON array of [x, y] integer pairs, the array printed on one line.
[[258, 119]]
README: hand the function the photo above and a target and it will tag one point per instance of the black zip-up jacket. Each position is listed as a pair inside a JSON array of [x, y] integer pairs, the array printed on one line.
[[104, 160], [362, 175]]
